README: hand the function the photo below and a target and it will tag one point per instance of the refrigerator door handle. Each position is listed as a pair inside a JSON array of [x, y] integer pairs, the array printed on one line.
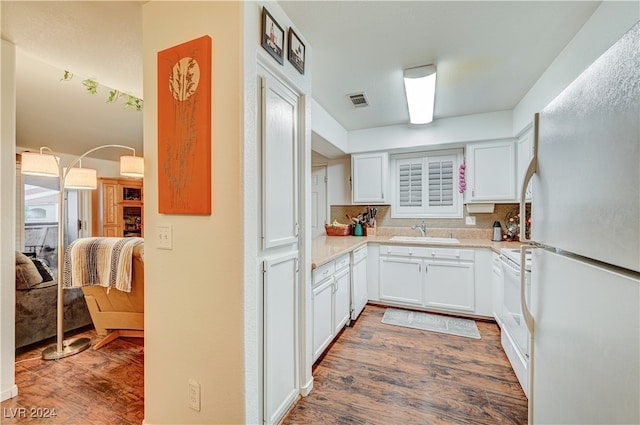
[[526, 313], [531, 170]]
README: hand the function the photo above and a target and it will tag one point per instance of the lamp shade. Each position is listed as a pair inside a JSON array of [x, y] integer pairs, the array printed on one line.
[[420, 86], [132, 166], [39, 164], [81, 178]]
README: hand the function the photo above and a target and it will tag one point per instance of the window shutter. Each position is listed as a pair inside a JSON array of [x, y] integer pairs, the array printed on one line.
[[410, 184], [441, 183]]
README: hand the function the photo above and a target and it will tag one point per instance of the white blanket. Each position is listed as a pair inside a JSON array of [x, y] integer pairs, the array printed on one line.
[[100, 261]]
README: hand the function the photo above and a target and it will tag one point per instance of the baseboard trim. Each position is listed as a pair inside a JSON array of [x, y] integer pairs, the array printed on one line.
[[9, 393], [305, 390]]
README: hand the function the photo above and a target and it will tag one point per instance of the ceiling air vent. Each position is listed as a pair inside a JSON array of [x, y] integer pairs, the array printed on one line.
[[358, 100]]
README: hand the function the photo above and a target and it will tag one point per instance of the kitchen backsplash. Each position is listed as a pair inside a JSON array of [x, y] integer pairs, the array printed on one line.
[[437, 227]]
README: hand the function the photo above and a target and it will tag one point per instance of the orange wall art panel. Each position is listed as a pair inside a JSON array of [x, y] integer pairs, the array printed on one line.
[[184, 128]]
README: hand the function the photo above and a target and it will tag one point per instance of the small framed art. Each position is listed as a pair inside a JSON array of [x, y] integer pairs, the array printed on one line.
[[272, 36], [296, 51]]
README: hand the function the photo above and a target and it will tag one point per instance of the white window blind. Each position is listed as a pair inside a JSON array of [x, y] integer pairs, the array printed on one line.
[[426, 184], [410, 184], [441, 183]]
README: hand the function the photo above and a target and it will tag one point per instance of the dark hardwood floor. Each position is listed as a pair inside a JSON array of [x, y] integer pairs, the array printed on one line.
[[381, 374], [95, 387], [373, 374]]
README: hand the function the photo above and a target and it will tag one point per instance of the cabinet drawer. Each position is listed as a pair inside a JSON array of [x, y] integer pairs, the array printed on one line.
[[323, 272], [452, 254], [396, 250], [342, 262]]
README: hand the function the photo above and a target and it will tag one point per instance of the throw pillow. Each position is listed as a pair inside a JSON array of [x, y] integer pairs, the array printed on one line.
[[43, 269], [27, 274]]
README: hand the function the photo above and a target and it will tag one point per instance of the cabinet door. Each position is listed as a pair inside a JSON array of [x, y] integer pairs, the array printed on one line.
[[369, 177], [280, 335], [449, 285], [110, 204], [322, 317], [491, 171], [525, 153], [279, 164], [401, 280], [341, 300]]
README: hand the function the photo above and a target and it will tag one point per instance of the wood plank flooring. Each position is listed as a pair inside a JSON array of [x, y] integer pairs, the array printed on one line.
[[95, 387], [382, 374]]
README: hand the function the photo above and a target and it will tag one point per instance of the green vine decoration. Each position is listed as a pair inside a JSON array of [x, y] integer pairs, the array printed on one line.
[[92, 88]]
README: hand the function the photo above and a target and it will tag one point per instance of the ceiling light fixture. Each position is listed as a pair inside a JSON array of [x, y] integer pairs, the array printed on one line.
[[420, 86]]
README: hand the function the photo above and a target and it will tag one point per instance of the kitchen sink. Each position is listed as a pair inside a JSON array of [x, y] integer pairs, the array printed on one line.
[[424, 239]]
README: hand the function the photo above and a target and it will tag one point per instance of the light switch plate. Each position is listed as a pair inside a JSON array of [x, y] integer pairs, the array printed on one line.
[[164, 238], [470, 220]]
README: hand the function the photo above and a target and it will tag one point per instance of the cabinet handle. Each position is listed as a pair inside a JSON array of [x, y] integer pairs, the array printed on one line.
[[426, 270], [419, 268]]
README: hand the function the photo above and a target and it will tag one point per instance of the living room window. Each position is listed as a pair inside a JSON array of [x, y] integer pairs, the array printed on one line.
[[426, 185]]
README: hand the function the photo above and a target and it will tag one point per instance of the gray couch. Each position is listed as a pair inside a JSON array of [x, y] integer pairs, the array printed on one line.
[[36, 304]]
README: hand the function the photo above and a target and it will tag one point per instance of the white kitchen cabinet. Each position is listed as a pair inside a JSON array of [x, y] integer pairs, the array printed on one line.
[[341, 299], [525, 153], [449, 285], [331, 302], [369, 178], [401, 279], [322, 316], [490, 172]]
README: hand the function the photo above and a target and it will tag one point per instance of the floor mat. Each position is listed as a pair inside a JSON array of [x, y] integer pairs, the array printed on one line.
[[431, 322]]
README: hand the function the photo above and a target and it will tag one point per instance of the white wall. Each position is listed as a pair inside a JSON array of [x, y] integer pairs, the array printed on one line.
[[607, 24], [456, 130], [339, 187], [7, 224], [194, 293]]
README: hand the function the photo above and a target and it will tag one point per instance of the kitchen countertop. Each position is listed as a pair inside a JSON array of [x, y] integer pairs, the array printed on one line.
[[327, 248]]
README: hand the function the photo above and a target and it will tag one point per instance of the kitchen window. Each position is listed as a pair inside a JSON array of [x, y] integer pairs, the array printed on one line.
[[426, 185]]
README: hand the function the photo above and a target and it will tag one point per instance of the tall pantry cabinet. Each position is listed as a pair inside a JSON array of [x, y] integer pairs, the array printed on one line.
[[118, 208]]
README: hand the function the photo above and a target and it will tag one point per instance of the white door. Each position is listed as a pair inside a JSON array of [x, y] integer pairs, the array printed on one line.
[[279, 247], [318, 200]]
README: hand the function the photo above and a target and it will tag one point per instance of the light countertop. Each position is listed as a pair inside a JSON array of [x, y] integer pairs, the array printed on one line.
[[327, 248]]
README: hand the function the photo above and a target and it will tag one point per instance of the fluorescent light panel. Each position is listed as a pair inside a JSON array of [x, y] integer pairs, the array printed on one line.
[[420, 86]]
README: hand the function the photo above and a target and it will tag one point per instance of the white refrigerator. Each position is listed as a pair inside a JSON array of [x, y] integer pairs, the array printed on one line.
[[584, 310]]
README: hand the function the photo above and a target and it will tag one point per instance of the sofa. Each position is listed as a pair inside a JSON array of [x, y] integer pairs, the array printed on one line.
[[36, 303]]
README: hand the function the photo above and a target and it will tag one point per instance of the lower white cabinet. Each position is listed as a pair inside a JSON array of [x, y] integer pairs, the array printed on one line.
[[331, 302], [449, 285], [359, 294], [401, 279], [341, 299], [322, 316], [434, 278]]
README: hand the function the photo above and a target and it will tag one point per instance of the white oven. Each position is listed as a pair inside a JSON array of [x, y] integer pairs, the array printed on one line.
[[515, 335]]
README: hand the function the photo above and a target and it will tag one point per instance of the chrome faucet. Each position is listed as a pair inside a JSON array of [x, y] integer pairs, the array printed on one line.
[[421, 227]]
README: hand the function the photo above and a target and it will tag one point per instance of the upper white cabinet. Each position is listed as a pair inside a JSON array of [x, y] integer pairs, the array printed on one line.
[[490, 172], [525, 153], [369, 177]]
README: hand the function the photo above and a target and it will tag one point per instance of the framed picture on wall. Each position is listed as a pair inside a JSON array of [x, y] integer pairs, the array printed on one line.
[[296, 51], [272, 36]]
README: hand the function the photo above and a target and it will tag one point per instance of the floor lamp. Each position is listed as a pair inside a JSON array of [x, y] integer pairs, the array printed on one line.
[[46, 164]]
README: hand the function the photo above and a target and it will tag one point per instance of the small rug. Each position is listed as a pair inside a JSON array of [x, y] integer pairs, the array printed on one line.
[[431, 322]]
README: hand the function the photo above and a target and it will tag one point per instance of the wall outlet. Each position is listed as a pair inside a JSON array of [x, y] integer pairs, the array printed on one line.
[[470, 220], [164, 238], [194, 395]]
